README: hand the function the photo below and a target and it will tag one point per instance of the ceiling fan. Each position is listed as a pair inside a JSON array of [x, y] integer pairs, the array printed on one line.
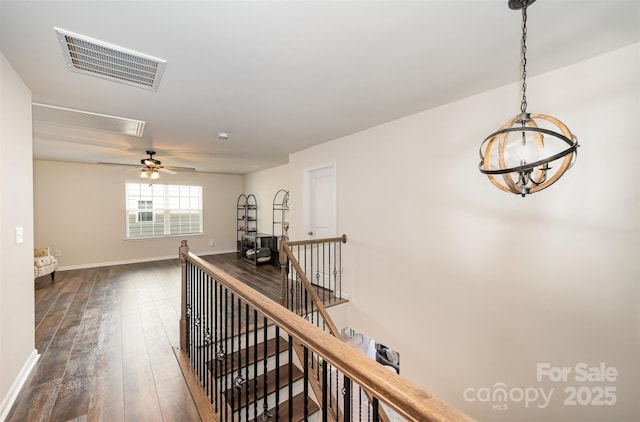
[[150, 167]]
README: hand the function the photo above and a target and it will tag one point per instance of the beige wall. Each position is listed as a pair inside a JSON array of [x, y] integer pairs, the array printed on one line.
[[79, 210], [17, 347], [475, 287]]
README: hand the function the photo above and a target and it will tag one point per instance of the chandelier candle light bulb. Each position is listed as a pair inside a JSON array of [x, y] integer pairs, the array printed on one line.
[[536, 141]]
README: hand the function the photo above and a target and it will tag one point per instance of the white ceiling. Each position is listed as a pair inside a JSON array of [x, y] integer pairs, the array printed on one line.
[[280, 76]]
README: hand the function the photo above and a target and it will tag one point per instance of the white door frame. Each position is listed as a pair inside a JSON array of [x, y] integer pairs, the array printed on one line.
[[307, 200]]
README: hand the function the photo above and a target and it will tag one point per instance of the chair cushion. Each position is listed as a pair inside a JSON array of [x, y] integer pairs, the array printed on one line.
[[43, 261], [40, 271], [41, 251]]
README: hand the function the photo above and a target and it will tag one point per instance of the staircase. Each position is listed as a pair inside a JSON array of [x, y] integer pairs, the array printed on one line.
[[247, 358], [263, 375]]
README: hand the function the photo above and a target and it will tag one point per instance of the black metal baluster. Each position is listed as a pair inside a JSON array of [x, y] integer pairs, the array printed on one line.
[[255, 364], [212, 347], [277, 373], [325, 391], [196, 324], [299, 280], [306, 382], [290, 364], [360, 404], [322, 274], [374, 404], [247, 326], [207, 335], [347, 399], [337, 251], [290, 282], [202, 349], [226, 348], [202, 340], [327, 275], [216, 345], [306, 306], [200, 326], [195, 311], [238, 381], [329, 387], [232, 353], [265, 407], [188, 311]]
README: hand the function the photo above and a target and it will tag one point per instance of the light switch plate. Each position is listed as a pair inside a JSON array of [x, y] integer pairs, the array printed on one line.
[[19, 235]]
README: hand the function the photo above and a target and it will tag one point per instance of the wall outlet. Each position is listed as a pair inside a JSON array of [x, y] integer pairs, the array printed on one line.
[[57, 252], [211, 243]]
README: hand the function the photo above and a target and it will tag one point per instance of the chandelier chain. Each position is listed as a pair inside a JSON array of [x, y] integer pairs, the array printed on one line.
[[523, 105]]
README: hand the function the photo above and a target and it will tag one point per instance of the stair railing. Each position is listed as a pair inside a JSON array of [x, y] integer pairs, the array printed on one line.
[[320, 260], [227, 332]]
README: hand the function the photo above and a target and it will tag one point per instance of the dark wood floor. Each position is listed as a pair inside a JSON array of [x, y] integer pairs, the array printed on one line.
[[107, 338]]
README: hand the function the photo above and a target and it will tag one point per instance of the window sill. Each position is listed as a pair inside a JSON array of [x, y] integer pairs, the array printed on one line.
[[168, 236]]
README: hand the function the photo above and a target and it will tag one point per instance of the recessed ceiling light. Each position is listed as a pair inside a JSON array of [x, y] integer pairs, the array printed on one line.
[[223, 135]]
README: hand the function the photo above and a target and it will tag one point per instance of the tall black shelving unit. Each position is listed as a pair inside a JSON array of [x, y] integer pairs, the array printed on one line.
[[247, 218], [280, 225]]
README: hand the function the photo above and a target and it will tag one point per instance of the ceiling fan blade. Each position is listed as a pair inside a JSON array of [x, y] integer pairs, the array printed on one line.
[[166, 170], [175, 168], [119, 164], [151, 164]]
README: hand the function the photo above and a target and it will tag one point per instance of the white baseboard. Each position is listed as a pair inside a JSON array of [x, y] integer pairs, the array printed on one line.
[[17, 385], [134, 261]]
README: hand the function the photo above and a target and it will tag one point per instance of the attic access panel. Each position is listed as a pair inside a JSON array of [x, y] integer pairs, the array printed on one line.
[[107, 61]]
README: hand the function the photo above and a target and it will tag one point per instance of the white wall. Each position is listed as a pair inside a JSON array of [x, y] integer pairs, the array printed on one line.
[[79, 209], [17, 344], [475, 287], [264, 185]]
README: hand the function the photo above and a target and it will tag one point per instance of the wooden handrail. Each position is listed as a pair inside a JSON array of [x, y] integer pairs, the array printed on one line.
[[407, 399], [342, 239]]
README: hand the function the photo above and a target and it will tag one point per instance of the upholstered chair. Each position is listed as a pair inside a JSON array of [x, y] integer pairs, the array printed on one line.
[[44, 263]]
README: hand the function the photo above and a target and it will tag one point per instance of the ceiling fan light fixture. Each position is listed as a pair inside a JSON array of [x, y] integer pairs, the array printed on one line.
[[517, 157], [150, 162], [143, 174], [154, 174]]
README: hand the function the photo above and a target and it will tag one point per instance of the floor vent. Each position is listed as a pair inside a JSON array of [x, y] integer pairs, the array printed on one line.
[[100, 59]]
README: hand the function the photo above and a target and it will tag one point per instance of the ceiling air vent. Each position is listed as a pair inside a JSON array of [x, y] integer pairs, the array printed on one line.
[[102, 60], [61, 116]]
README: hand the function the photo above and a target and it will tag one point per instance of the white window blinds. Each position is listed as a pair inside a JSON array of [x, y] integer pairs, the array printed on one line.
[[163, 210]]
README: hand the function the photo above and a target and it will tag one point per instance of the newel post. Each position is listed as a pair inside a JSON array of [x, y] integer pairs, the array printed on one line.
[[183, 251]]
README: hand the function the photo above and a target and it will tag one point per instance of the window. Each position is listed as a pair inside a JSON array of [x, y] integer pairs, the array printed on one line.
[[163, 210], [145, 216]]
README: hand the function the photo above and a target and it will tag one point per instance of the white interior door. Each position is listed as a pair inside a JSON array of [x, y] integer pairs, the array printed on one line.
[[320, 202]]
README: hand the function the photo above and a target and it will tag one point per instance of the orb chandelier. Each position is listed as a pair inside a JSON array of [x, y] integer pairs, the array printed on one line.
[[517, 158]]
